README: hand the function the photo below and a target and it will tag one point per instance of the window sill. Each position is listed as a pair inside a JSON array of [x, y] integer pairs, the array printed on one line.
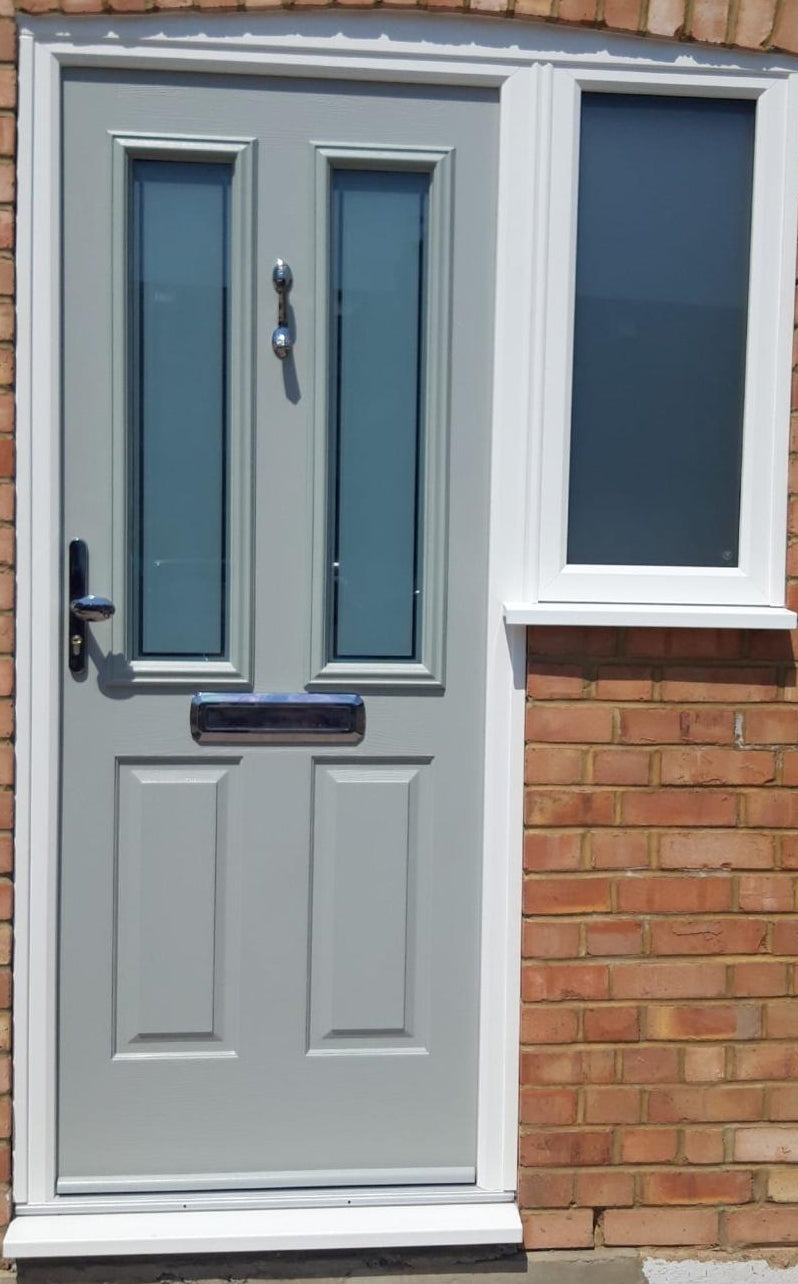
[[259, 1230], [644, 615]]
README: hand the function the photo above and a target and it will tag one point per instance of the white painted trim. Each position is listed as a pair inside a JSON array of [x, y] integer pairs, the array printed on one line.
[[278, 1230], [654, 617]]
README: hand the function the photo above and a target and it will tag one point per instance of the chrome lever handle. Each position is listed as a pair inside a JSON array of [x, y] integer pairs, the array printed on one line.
[[282, 280], [84, 608], [92, 608]]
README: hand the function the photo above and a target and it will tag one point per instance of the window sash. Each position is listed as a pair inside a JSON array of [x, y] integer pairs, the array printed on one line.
[[758, 579]]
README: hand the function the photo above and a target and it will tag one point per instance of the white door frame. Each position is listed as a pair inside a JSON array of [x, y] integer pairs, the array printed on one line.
[[517, 60], [44, 1221]]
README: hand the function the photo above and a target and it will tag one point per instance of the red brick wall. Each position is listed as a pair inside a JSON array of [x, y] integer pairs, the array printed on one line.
[[660, 1038], [659, 1101]]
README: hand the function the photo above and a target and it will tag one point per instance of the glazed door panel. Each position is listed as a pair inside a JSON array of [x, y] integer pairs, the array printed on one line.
[[269, 950]]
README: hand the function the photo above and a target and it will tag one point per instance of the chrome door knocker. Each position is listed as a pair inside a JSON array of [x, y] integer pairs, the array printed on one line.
[[282, 280]]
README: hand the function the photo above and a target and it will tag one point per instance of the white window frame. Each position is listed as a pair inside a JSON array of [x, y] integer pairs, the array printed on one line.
[[523, 63], [754, 591]]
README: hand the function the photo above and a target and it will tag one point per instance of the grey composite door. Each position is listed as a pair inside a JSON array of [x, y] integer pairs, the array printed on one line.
[[269, 952]]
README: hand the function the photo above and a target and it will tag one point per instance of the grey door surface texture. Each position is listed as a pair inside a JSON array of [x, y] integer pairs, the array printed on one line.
[[269, 936]]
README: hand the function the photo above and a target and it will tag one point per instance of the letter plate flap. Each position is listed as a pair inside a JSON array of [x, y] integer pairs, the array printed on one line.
[[277, 719]]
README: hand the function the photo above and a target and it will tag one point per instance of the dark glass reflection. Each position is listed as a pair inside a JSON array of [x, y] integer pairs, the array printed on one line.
[[663, 252], [378, 260], [179, 280]]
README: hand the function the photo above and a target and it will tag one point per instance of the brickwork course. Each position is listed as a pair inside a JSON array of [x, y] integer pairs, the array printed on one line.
[[659, 1059]]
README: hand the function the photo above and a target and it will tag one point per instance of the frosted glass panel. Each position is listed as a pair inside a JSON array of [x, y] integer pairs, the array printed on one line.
[[378, 254], [659, 347], [179, 269]]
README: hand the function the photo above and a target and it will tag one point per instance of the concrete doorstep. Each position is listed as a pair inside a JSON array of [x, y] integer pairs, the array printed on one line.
[[625, 1266]]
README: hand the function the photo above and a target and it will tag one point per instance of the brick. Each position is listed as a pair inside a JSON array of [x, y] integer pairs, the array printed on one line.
[[6, 457], [777, 1061], [789, 763], [703, 1146], [612, 1105], [762, 1226], [784, 1102], [6, 229], [623, 682], [611, 1024], [772, 808], [621, 767], [730, 686], [552, 1067], [754, 23], [783, 1186], [781, 1019], [555, 681], [696, 1188], [704, 1021], [650, 1065], [545, 1190], [7, 425], [575, 725], [561, 1149], [649, 1145], [554, 766], [579, 895], [552, 851], [705, 1064], [785, 32], [785, 936], [674, 726], [679, 807], [708, 936], [789, 850], [767, 893], [766, 1145], [771, 726], [710, 21], [567, 1065], [567, 640], [701, 766], [548, 1106], [551, 940], [762, 978], [666, 980], [577, 10], [716, 1104], [670, 894], [723, 849], [568, 807], [619, 849], [555, 1229], [557, 981], [696, 1228], [533, 8], [684, 644], [604, 1189], [612, 937], [622, 15], [549, 1025]]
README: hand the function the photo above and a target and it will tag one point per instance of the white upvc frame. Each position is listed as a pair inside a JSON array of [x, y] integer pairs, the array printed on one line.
[[759, 579], [522, 63]]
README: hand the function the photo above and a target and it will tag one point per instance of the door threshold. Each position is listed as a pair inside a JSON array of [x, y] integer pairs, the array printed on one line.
[[50, 1234]]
